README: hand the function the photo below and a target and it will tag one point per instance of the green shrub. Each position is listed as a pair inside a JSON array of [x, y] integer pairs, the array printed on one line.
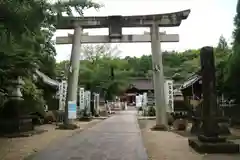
[[140, 109], [145, 111], [33, 98], [151, 111], [3, 97]]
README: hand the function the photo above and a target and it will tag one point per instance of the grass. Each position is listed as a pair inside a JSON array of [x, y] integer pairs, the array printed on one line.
[[69, 126]]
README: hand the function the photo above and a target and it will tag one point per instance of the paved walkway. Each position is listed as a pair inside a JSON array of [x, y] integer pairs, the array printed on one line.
[[117, 138]]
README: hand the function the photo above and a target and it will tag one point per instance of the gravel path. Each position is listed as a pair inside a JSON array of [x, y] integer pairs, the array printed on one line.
[[22, 147], [117, 138], [170, 146]]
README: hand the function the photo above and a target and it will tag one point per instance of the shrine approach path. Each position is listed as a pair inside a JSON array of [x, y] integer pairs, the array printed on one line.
[[116, 138]]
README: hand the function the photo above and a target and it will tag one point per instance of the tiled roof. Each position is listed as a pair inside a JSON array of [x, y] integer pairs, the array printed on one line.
[[142, 84], [190, 81], [47, 79]]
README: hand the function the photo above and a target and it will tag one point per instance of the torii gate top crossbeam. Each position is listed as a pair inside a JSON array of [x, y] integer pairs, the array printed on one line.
[[163, 20]]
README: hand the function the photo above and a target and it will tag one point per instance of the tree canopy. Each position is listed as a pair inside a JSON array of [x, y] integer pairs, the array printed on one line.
[[30, 45], [233, 67], [98, 60], [26, 32]]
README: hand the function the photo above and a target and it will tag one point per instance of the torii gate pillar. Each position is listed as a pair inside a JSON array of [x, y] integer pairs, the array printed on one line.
[[158, 79], [73, 70]]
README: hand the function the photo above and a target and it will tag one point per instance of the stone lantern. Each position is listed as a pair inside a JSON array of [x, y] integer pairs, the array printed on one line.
[[12, 117]]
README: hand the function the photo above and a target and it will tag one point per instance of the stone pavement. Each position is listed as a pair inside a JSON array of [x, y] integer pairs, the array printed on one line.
[[117, 138]]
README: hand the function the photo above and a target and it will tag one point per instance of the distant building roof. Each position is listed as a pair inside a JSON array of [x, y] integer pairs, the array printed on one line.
[[142, 84], [177, 92], [176, 86], [191, 80]]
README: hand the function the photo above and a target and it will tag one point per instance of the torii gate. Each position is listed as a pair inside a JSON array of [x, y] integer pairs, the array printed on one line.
[[115, 25]]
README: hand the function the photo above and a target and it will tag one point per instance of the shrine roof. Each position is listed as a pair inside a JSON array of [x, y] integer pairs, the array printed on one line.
[[46, 79], [142, 84], [191, 80]]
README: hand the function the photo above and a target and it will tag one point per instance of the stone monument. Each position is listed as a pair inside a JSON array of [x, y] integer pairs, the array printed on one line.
[[209, 140]]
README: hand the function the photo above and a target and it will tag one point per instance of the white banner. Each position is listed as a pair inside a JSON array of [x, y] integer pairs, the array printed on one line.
[[138, 101], [144, 99], [168, 89], [87, 96], [81, 99], [62, 95]]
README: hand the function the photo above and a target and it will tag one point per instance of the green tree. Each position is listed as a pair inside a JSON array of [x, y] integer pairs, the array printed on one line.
[[51, 10], [222, 44], [20, 45], [222, 53], [95, 69], [233, 72], [26, 31], [30, 44]]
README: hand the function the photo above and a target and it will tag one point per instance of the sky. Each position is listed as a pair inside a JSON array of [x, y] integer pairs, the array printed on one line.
[[208, 20]]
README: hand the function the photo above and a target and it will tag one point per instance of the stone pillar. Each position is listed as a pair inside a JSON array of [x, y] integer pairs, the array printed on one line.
[[209, 141], [158, 79], [73, 70], [210, 107], [97, 104], [94, 103]]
